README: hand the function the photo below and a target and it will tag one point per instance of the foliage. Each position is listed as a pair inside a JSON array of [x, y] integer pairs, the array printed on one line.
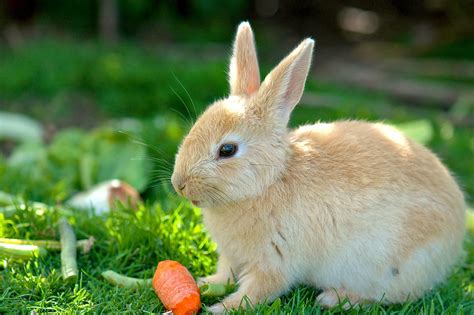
[[74, 161], [123, 81], [462, 49], [173, 19]]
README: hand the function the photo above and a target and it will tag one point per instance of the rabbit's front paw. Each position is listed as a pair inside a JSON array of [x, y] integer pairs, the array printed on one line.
[[218, 308], [332, 297]]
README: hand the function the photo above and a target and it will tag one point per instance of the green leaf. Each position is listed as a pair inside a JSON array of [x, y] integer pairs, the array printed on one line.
[[19, 127], [418, 130], [470, 220], [117, 157]]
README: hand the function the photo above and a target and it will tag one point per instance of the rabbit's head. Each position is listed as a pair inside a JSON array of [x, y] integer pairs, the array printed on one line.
[[239, 146]]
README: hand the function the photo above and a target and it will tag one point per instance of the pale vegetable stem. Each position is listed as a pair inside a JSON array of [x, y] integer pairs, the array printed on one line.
[[124, 281], [20, 252], [216, 289], [83, 245], [68, 251], [47, 244]]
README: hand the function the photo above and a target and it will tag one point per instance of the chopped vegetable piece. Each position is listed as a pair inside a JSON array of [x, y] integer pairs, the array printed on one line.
[[104, 197], [124, 281], [83, 245], [176, 288], [10, 200], [20, 127], [68, 251], [216, 289], [47, 244], [20, 252]]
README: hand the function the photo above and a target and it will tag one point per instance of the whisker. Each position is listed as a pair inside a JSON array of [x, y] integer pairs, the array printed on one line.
[[199, 164], [184, 103], [153, 159], [160, 181], [141, 142], [216, 198], [224, 197], [161, 170], [184, 120], [160, 177], [258, 164], [159, 184], [215, 177], [187, 93]]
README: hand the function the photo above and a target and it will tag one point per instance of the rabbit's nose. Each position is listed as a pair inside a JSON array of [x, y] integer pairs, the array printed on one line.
[[179, 183]]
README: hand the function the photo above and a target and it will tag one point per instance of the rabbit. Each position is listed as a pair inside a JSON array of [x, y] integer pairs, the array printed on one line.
[[352, 208]]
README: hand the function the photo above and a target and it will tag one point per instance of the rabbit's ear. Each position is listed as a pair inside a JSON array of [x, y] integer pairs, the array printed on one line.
[[283, 87], [244, 74]]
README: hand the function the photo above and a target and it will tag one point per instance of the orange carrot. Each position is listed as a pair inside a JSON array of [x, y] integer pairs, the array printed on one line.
[[176, 288]]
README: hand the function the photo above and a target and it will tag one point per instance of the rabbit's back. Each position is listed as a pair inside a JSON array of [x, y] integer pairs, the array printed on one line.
[[357, 155], [381, 198]]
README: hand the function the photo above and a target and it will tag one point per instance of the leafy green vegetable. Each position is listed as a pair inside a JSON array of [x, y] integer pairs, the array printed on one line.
[[116, 157], [74, 161], [19, 127]]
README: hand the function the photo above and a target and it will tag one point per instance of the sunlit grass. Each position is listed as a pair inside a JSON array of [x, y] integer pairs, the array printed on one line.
[[128, 242], [133, 242]]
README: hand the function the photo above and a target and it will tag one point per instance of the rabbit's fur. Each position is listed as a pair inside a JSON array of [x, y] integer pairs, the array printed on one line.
[[351, 207]]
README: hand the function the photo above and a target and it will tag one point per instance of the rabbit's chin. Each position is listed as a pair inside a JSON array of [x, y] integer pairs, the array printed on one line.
[[204, 203], [209, 204], [217, 205]]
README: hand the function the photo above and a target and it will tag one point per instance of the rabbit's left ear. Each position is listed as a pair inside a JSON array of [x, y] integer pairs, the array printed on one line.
[[244, 74], [283, 87]]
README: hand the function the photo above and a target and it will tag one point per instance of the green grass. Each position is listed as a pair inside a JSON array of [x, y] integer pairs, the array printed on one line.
[[127, 81], [133, 242], [129, 242]]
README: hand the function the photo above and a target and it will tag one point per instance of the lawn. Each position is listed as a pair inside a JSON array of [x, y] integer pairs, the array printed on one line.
[[120, 113]]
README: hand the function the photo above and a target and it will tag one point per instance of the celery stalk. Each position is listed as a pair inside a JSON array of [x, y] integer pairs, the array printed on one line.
[[21, 252]]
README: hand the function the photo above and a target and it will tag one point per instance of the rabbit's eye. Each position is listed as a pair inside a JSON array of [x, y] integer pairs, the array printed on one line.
[[227, 150]]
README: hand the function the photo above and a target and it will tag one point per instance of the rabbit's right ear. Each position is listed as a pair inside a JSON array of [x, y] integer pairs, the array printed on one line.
[[244, 74]]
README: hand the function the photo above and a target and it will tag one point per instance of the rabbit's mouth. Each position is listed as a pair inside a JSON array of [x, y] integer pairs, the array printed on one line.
[[196, 202]]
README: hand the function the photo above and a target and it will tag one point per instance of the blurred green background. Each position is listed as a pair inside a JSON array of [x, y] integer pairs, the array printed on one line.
[[145, 67], [92, 90]]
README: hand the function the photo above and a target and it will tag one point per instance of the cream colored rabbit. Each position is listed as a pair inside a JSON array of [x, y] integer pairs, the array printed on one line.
[[351, 207]]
